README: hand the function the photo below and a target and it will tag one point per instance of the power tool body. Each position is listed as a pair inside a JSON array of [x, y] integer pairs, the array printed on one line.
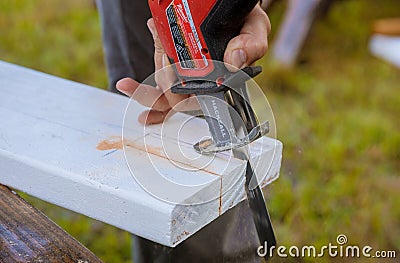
[[195, 35]]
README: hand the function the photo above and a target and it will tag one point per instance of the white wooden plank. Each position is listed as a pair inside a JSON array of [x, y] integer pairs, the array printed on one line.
[[51, 128]]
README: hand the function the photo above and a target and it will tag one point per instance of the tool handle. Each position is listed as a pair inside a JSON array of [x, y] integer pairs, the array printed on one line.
[[194, 33], [223, 23]]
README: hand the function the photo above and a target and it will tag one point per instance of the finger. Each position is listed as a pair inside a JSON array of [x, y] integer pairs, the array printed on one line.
[[189, 104], [153, 117], [165, 78], [127, 86], [158, 48], [146, 95], [151, 97], [252, 43]]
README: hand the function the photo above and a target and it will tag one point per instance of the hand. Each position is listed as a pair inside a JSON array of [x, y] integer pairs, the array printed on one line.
[[252, 42], [160, 99], [241, 51]]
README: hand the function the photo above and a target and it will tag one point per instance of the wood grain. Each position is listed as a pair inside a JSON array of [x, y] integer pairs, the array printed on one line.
[[61, 141], [27, 235]]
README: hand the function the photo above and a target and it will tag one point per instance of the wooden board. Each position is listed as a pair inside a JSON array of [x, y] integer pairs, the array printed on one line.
[[61, 141], [27, 235]]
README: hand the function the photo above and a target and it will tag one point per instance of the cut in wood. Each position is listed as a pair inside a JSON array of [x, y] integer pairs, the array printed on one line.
[[27, 235], [61, 142]]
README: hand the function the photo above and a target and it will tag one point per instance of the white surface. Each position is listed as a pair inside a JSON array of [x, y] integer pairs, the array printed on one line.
[[386, 47], [49, 131]]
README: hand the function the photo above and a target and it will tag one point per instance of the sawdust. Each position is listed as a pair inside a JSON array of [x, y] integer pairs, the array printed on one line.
[[117, 143], [110, 144], [178, 238]]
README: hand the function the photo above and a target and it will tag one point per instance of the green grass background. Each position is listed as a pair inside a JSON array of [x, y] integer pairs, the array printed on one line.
[[337, 113]]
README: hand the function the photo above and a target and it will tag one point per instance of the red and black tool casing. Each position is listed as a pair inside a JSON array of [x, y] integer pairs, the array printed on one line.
[[195, 32]]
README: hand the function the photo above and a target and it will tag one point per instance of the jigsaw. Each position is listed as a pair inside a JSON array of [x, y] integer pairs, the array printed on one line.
[[195, 35]]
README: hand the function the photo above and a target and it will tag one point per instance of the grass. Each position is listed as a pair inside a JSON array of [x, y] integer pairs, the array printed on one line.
[[337, 114], [57, 37]]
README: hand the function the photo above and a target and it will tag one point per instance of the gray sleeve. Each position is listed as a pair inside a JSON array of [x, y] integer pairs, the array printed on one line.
[[127, 43]]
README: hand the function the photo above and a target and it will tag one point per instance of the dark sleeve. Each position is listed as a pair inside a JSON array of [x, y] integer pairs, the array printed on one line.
[[128, 45]]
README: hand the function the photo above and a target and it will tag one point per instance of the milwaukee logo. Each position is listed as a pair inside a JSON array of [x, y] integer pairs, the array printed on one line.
[[181, 12]]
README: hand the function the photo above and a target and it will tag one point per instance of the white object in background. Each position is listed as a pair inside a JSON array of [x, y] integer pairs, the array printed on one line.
[[386, 47], [51, 131]]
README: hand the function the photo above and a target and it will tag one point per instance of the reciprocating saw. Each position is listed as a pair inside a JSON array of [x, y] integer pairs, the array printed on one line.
[[195, 35]]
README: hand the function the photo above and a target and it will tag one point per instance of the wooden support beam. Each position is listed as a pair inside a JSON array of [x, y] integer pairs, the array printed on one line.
[[27, 235], [296, 25], [61, 142]]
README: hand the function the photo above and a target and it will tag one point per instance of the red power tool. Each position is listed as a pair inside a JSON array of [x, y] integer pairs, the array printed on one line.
[[194, 35]]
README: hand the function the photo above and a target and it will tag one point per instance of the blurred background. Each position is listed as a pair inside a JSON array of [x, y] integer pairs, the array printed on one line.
[[337, 112]]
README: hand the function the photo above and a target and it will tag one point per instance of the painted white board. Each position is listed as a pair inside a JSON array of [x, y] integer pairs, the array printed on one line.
[[61, 142]]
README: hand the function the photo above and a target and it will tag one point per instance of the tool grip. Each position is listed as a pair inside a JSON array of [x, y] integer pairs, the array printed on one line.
[[195, 33], [223, 23]]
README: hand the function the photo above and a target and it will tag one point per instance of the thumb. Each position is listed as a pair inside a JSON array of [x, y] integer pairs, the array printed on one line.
[[252, 42], [245, 49]]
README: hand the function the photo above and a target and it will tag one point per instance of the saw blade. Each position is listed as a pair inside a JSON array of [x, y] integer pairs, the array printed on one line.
[[224, 127]]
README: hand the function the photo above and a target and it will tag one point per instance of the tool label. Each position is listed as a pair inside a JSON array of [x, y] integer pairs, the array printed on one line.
[[184, 34]]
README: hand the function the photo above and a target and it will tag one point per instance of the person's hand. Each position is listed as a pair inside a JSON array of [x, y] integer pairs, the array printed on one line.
[[159, 99], [241, 51], [252, 42]]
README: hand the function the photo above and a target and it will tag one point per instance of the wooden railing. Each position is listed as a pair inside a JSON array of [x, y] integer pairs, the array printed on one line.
[[27, 235]]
